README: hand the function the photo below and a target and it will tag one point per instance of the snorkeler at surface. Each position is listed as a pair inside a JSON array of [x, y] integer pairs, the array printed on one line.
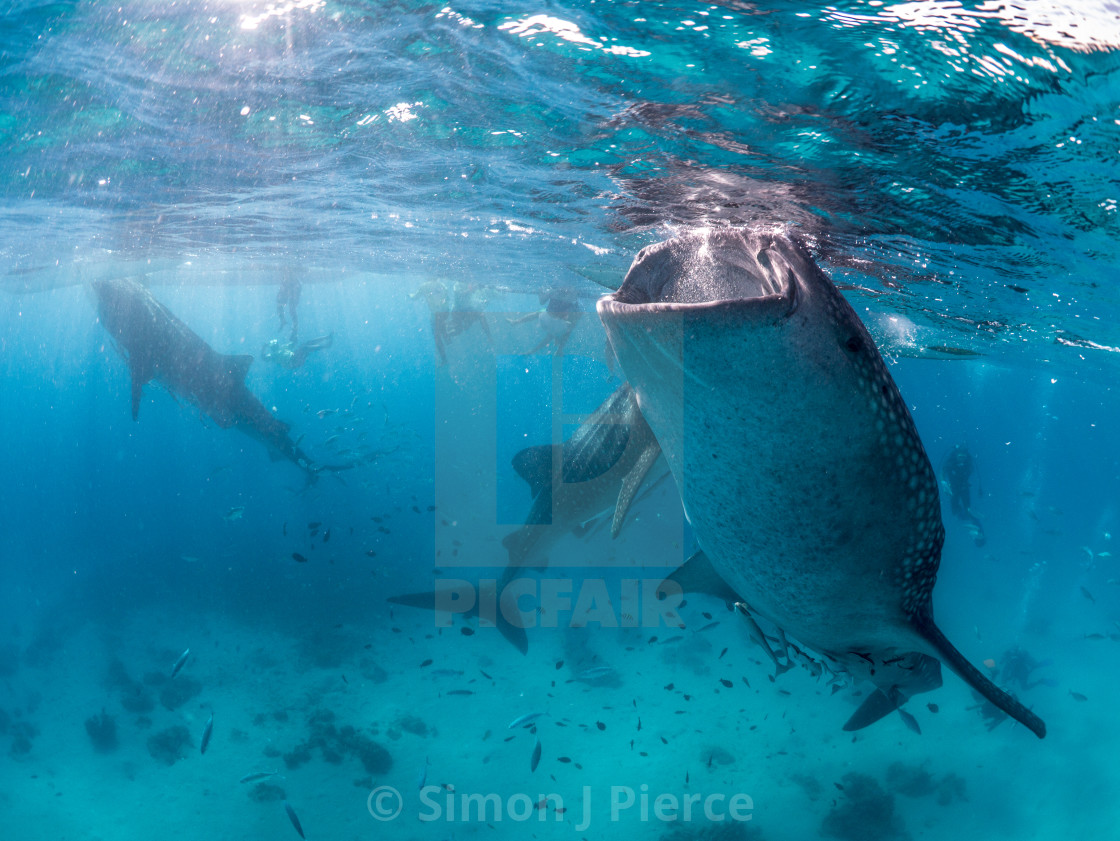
[[453, 312], [468, 308], [956, 478], [558, 318], [291, 355]]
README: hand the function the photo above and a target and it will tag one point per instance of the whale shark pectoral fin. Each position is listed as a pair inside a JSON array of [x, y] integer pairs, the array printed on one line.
[[446, 599], [697, 575], [464, 600], [973, 677], [632, 482]]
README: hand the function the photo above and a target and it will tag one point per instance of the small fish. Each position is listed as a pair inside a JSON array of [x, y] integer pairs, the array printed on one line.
[[721, 654], [259, 775], [323, 413], [1088, 595], [708, 627], [932, 707], [207, 732], [422, 778], [672, 639], [910, 721], [594, 673], [235, 513], [535, 760], [292, 817], [426, 663], [460, 691], [559, 665], [728, 684], [298, 558], [327, 536], [564, 759], [182, 661], [466, 631], [600, 725], [1077, 696], [524, 720], [1095, 637]]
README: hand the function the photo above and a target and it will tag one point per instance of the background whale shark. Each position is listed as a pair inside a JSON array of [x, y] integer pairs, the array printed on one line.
[[600, 468], [797, 460], [158, 346]]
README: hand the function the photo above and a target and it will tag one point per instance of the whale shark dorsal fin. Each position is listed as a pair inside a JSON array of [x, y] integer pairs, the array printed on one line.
[[534, 465], [239, 365], [697, 575], [632, 482]]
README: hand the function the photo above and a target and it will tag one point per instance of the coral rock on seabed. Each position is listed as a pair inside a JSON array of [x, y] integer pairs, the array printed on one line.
[[102, 730], [170, 745], [865, 814]]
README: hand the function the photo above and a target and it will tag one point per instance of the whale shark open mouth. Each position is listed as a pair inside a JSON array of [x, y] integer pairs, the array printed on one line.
[[798, 463]]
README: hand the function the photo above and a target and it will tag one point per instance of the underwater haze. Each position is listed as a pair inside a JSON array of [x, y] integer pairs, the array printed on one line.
[[296, 297]]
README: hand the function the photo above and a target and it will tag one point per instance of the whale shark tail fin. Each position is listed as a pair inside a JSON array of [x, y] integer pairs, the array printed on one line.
[[971, 675]]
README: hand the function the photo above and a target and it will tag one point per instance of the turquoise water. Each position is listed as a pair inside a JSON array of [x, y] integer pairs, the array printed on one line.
[[954, 168]]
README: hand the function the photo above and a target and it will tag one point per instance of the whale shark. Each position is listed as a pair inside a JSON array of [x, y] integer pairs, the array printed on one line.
[[600, 468], [158, 346], [798, 463]]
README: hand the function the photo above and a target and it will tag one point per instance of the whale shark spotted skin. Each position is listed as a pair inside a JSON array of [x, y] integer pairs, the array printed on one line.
[[798, 463]]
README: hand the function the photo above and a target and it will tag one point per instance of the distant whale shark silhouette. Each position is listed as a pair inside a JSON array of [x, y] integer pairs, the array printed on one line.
[[797, 460], [158, 346]]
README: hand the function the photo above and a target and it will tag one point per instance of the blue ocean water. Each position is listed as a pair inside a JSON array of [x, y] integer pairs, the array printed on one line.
[[952, 166]]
